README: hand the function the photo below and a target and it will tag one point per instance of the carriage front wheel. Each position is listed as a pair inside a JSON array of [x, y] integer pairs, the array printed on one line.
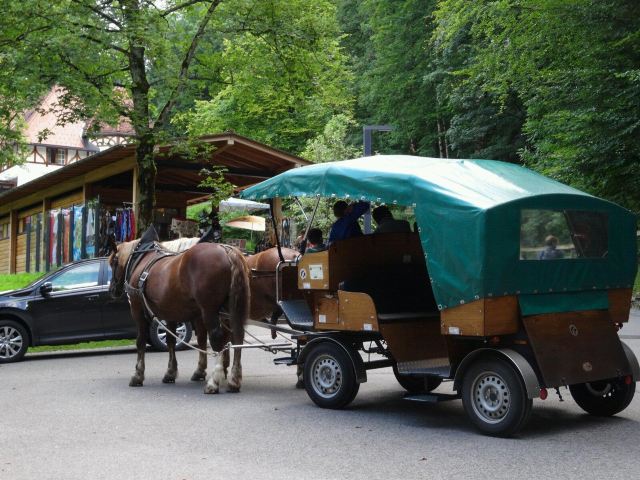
[[603, 398], [329, 376], [494, 397]]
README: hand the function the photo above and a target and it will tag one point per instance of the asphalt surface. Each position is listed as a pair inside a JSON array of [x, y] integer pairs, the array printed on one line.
[[73, 416]]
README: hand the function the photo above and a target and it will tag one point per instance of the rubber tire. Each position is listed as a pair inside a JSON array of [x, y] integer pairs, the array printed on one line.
[[158, 344], [338, 357], [417, 383], [615, 401], [519, 405], [25, 340]]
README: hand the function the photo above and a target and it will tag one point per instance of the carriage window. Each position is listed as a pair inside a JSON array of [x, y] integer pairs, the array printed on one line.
[[563, 234]]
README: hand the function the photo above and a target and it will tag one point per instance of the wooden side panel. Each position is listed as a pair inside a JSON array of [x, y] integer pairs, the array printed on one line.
[[326, 311], [21, 254], [4, 256], [576, 347], [360, 255], [313, 271], [357, 312], [467, 319], [68, 200], [501, 315], [416, 340], [482, 318], [620, 304]]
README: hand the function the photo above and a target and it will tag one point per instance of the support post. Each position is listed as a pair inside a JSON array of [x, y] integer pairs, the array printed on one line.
[[13, 240]]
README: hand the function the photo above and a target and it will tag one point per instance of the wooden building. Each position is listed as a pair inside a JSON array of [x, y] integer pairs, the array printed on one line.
[[40, 220]]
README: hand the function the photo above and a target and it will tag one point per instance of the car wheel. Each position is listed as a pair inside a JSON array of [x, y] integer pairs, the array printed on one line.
[[604, 398], [329, 376], [158, 335], [417, 383], [494, 398], [14, 341]]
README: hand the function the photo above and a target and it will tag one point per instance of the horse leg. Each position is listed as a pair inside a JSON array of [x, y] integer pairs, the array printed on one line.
[[172, 368], [201, 371], [141, 345], [216, 338], [274, 321], [237, 337]]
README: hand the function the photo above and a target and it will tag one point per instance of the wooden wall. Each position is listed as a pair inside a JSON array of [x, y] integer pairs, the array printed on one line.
[[4, 256]]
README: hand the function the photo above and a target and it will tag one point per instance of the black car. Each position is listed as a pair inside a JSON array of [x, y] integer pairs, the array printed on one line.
[[70, 305]]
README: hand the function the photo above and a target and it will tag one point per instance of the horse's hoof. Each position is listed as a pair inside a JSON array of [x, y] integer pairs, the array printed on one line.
[[210, 389], [198, 377], [233, 389], [135, 382], [168, 379], [300, 384]]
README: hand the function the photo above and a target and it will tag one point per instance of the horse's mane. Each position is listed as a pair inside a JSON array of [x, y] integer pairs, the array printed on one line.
[[180, 244]]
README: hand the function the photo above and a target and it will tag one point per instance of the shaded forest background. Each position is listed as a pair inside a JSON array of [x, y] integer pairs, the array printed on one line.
[[551, 84]]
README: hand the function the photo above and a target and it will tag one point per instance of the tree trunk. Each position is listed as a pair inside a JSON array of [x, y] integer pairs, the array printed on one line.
[[146, 183]]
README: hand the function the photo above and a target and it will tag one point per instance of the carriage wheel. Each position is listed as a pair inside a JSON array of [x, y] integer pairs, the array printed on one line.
[[494, 397], [417, 383], [604, 398], [158, 335], [329, 376], [14, 341]]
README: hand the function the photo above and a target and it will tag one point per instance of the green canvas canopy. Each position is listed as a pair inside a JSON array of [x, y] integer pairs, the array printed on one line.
[[473, 216]]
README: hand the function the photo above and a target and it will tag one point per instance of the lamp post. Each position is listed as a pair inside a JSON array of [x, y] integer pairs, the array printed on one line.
[[368, 151]]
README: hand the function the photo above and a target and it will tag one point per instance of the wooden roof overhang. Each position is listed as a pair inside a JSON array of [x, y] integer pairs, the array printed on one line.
[[246, 161]]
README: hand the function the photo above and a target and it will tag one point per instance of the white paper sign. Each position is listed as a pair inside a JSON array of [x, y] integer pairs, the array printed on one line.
[[315, 272]]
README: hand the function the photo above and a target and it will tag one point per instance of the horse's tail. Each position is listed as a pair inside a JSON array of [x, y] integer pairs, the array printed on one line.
[[240, 291]]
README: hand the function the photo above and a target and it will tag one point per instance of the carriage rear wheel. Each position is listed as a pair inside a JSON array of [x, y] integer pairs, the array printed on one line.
[[603, 398], [158, 335], [417, 383], [494, 397], [329, 376]]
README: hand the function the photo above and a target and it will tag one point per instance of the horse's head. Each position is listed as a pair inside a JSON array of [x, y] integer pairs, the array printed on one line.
[[118, 262]]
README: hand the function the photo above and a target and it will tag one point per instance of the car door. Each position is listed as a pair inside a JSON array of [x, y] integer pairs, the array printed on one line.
[[116, 315], [71, 311]]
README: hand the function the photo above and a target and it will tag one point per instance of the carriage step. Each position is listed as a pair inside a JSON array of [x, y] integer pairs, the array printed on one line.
[[285, 361], [431, 397]]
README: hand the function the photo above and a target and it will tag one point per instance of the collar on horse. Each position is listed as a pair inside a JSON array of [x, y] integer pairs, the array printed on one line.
[[134, 260]]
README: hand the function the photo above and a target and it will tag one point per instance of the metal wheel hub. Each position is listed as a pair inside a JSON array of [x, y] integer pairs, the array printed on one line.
[[10, 342], [599, 389], [181, 332], [491, 397], [327, 376]]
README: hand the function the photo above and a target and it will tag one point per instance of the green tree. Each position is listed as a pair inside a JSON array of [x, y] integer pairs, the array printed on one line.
[[573, 66], [165, 55], [282, 81]]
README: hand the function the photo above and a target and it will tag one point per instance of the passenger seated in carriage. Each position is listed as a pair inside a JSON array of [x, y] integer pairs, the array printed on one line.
[[346, 225], [314, 241], [386, 223]]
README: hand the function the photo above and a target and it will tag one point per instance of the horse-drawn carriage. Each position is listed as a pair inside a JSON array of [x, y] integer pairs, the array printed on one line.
[[469, 297]]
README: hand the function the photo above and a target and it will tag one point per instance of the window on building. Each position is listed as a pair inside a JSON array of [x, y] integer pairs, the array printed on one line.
[[4, 230], [56, 156]]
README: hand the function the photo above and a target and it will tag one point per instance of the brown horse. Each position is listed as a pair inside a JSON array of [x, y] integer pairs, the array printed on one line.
[[190, 287], [263, 283]]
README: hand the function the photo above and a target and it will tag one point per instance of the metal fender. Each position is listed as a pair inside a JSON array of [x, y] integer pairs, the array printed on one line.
[[356, 359], [522, 365], [633, 362]]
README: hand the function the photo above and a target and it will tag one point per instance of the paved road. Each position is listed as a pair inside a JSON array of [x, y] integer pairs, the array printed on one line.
[[74, 417]]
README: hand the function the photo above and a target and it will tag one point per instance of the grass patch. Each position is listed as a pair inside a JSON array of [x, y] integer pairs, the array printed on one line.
[[82, 346], [18, 280]]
